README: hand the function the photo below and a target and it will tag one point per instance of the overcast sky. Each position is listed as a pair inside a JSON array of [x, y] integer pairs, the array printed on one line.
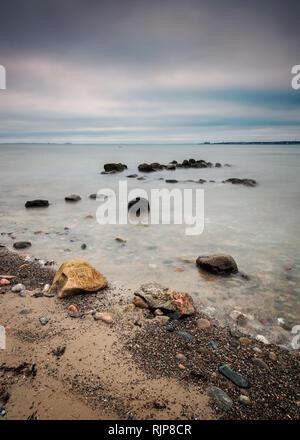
[[149, 71]]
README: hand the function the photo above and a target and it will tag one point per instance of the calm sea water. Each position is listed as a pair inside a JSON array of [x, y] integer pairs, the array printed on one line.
[[258, 226]]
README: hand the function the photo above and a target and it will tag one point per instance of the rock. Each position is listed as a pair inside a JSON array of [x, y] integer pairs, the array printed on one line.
[[203, 323], [180, 357], [72, 198], [181, 367], [245, 341], [132, 176], [141, 178], [234, 342], [261, 338], [217, 264], [36, 203], [72, 308], [179, 269], [120, 310], [25, 311], [77, 276], [220, 397], [158, 312], [139, 302], [159, 297], [93, 196], [4, 282], [120, 239], [218, 165], [272, 356], [22, 244], [260, 363], [171, 181], [246, 182], [213, 345], [145, 168], [115, 167], [83, 246], [142, 205], [244, 399], [171, 167], [105, 317], [257, 350], [18, 288], [44, 320], [185, 335], [162, 319], [288, 268], [235, 333], [235, 377], [46, 288]]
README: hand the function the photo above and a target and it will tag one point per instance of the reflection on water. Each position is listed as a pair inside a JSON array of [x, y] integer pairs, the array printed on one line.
[[258, 226]]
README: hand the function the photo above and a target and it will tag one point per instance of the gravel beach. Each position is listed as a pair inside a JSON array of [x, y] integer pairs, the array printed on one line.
[[62, 363]]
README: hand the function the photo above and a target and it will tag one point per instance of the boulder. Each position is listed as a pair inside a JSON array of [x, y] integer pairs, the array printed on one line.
[[115, 167], [217, 264], [77, 276], [72, 198], [145, 167], [36, 203], [156, 296], [171, 181], [218, 165], [21, 244], [171, 167], [93, 196]]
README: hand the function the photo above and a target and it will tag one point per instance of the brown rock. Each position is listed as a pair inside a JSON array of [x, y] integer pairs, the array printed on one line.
[[72, 308], [203, 323], [105, 317], [180, 357], [288, 268], [183, 303], [77, 276], [4, 282], [272, 356], [158, 312], [217, 264], [245, 341], [139, 302], [182, 367], [179, 269]]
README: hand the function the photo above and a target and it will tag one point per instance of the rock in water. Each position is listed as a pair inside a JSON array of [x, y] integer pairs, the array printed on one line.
[[36, 203], [142, 205], [115, 167], [77, 276], [72, 198], [235, 377], [22, 244], [220, 397], [217, 264], [160, 297], [246, 182]]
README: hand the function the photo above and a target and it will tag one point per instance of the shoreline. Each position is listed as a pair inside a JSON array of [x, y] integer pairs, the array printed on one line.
[[135, 368]]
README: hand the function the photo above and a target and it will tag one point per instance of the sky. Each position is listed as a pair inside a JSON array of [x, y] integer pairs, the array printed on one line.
[[128, 71]]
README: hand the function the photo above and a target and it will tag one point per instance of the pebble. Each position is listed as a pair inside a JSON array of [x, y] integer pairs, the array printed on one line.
[[72, 308], [22, 294], [235, 377], [2, 411], [18, 288], [25, 311], [234, 342], [245, 341], [120, 239], [203, 323], [180, 357], [158, 312], [257, 350], [44, 320], [244, 399], [105, 317], [260, 363], [83, 246], [261, 338], [220, 397], [182, 367], [235, 333], [213, 345], [4, 282], [179, 269], [46, 288], [185, 335], [272, 356]]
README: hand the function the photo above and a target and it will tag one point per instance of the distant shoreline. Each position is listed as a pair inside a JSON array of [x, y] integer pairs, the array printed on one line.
[[158, 143]]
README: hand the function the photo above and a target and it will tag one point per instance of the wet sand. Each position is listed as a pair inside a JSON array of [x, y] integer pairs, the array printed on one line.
[[128, 369]]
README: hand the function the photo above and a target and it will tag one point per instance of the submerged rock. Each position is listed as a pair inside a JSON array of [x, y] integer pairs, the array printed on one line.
[[21, 244], [36, 203], [72, 198], [247, 182], [235, 377], [145, 168], [156, 296], [217, 264], [77, 276], [171, 181]]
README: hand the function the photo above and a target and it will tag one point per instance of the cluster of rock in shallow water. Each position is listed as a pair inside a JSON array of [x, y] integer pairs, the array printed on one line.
[[112, 168]]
